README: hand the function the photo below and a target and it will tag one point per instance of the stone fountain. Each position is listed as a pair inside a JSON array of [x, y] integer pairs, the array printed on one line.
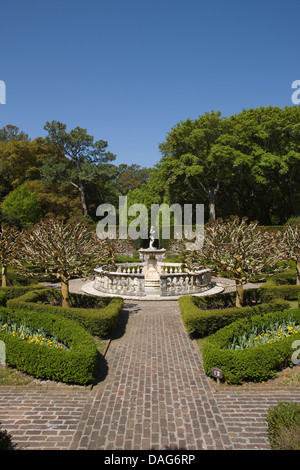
[[151, 278]]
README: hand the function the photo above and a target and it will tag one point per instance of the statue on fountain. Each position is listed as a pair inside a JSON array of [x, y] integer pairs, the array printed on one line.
[[151, 236]]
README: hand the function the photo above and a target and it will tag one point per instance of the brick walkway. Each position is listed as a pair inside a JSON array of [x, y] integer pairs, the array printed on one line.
[[153, 395]]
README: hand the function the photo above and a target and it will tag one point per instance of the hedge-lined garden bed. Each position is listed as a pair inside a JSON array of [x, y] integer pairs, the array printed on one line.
[[256, 363], [75, 363], [203, 316], [99, 316]]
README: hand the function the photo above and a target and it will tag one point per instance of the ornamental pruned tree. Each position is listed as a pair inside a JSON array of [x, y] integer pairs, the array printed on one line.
[[9, 253], [66, 249], [238, 247], [289, 246]]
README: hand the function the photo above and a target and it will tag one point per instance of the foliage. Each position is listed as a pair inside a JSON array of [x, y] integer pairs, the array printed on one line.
[[98, 317], [204, 316], [252, 364], [84, 159], [75, 365], [193, 157], [26, 333], [244, 164], [21, 206], [283, 421], [273, 332]]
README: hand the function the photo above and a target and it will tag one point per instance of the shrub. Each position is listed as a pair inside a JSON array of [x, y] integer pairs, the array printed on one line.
[[270, 291], [251, 364], [5, 440], [280, 286], [11, 292], [75, 365], [200, 321], [98, 320], [283, 422]]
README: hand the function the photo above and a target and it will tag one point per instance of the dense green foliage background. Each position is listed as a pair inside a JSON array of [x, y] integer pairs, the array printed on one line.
[[245, 164]]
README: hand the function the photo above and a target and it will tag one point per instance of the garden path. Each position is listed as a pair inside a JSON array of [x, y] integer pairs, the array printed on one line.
[[152, 394]]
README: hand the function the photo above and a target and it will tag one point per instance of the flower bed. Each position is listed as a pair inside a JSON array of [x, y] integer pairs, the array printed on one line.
[[75, 362], [98, 319], [26, 333], [201, 317], [257, 363]]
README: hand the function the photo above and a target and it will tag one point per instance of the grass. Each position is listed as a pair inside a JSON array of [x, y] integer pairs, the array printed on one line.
[[13, 377]]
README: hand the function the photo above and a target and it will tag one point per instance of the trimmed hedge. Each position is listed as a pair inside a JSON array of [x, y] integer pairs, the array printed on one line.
[[200, 321], [11, 292], [280, 286], [76, 365], [252, 364], [97, 321]]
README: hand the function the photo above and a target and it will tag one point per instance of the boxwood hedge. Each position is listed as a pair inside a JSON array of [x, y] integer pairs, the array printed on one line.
[[99, 316], [280, 286], [251, 364], [204, 316], [11, 292], [75, 365]]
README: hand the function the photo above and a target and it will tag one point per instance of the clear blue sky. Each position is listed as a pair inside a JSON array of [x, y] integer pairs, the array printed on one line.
[[129, 70]]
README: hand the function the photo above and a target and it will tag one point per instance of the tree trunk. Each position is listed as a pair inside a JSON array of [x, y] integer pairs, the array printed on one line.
[[298, 272], [82, 197], [65, 294], [239, 301], [212, 205], [4, 275], [80, 188]]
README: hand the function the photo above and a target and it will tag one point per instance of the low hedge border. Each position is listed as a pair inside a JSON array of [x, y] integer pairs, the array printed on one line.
[[270, 291], [200, 322], [97, 321], [252, 364], [280, 286], [11, 292], [76, 366]]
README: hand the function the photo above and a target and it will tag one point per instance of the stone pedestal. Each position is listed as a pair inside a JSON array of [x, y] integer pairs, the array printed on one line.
[[152, 258]]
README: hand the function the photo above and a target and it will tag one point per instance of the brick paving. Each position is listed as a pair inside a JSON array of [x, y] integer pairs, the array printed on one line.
[[153, 394]]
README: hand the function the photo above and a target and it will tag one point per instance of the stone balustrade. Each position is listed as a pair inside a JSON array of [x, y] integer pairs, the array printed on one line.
[[184, 283], [128, 279]]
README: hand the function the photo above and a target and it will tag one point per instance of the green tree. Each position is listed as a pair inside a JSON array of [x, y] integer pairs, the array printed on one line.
[[21, 206], [194, 161], [12, 133], [131, 177], [266, 142], [83, 162]]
